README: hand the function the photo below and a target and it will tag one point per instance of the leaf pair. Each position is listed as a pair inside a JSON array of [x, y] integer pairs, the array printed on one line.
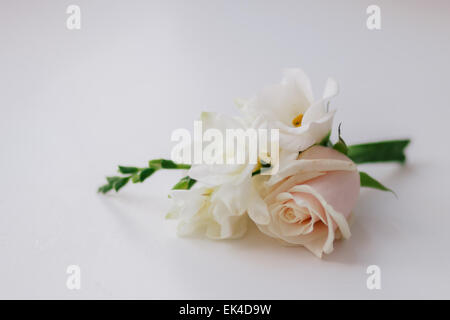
[[115, 183]]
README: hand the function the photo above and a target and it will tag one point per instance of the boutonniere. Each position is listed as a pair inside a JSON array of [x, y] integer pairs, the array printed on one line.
[[274, 165]]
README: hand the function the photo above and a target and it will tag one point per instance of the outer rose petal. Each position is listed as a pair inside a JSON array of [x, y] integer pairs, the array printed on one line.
[[347, 182]]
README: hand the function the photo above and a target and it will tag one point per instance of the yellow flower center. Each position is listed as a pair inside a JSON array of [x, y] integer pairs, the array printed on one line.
[[297, 121]]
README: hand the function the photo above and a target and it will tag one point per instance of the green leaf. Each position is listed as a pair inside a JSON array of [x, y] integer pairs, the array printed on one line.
[[135, 178], [383, 151], [119, 184], [340, 146], [147, 172], [167, 164], [128, 170], [326, 140], [184, 184], [369, 182], [112, 180], [105, 188]]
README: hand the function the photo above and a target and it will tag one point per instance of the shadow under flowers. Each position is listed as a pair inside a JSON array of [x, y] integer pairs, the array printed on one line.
[[137, 212]]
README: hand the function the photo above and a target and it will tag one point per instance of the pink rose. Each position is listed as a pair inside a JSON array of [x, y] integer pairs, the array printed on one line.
[[310, 200]]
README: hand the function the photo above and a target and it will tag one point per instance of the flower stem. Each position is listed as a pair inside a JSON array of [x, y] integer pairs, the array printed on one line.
[[138, 175]]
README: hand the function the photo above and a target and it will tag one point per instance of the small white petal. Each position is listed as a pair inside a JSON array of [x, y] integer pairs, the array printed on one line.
[[331, 89]]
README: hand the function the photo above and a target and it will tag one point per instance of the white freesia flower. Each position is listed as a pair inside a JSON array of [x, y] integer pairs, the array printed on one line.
[[202, 211], [290, 107], [233, 181], [216, 174]]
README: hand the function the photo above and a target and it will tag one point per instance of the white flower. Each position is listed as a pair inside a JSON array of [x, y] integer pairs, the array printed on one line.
[[233, 183], [217, 174], [202, 211], [290, 107]]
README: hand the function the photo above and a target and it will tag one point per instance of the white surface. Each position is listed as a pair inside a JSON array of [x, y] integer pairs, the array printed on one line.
[[74, 104]]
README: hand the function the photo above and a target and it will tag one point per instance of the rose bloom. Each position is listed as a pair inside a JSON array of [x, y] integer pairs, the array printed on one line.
[[310, 199]]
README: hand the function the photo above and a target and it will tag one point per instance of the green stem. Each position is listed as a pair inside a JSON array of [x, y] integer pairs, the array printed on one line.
[[138, 175]]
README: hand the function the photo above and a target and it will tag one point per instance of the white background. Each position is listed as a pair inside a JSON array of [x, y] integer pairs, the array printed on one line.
[[74, 104]]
